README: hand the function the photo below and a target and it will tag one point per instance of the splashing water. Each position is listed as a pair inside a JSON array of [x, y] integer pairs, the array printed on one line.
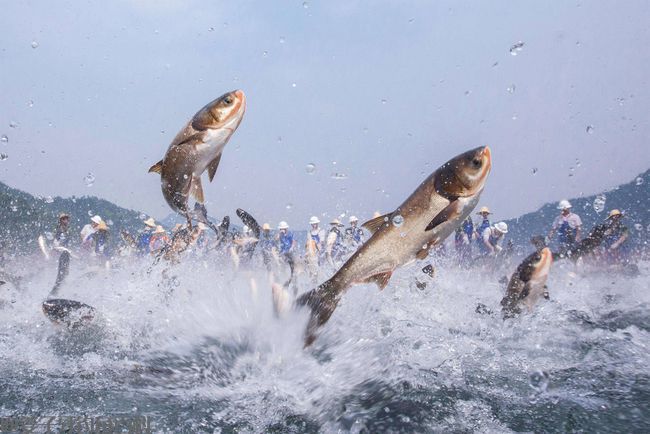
[[398, 220], [89, 180], [310, 168], [516, 48], [599, 203], [4, 138]]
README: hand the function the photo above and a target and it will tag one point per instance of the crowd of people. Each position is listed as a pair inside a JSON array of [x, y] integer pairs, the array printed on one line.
[[474, 241]]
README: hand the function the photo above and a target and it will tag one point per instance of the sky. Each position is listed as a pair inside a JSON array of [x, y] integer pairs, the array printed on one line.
[[375, 94]]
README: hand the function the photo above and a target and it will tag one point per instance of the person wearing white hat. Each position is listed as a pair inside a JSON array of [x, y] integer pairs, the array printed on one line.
[[144, 238], [334, 246], [87, 232], [158, 241], [492, 238], [316, 235], [568, 226], [354, 234], [285, 240]]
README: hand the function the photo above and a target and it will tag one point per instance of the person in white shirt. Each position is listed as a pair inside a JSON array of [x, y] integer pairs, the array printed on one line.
[[567, 225]]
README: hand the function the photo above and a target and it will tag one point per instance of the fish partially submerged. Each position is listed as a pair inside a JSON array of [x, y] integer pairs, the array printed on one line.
[[196, 148], [528, 283], [424, 220]]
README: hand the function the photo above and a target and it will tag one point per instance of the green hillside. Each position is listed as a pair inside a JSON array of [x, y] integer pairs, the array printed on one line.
[[632, 198], [23, 217]]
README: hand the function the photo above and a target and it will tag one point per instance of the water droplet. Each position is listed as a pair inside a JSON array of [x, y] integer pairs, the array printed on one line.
[[49, 236], [142, 216], [516, 48], [411, 20], [384, 101], [535, 170], [4, 138], [293, 84], [30, 103], [638, 181], [577, 163], [514, 117], [305, 5], [13, 124], [279, 139], [90, 213], [3, 157], [265, 53], [185, 176], [282, 40], [211, 29], [48, 199], [620, 101], [89, 179], [538, 380], [310, 168], [511, 88], [599, 203], [339, 176], [590, 129], [289, 205], [35, 44], [638, 226], [398, 220], [14, 208], [109, 222]]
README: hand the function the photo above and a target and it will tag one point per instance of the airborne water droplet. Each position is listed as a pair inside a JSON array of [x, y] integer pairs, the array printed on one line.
[[639, 181], [511, 88], [48, 199], [49, 236], [398, 220], [35, 44], [13, 124], [282, 40], [90, 213], [538, 380], [534, 170], [516, 48], [289, 205], [89, 179], [4, 138], [638, 227], [305, 5], [310, 168], [590, 129], [384, 101], [599, 203], [3, 157], [339, 176]]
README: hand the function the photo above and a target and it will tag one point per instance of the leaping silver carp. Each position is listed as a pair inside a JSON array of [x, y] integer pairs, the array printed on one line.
[[196, 148], [424, 220], [528, 283]]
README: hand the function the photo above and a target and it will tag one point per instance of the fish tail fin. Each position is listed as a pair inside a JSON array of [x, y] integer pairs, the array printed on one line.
[[156, 168], [322, 302]]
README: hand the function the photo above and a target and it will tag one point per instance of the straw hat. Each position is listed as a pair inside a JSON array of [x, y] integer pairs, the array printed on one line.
[[101, 226], [614, 212], [150, 222], [159, 230], [336, 222], [484, 210], [266, 227], [63, 216]]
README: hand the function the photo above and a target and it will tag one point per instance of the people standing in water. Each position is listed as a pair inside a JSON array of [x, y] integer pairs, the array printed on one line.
[[101, 240], [615, 242], [492, 239], [481, 226], [267, 245], [145, 236], [285, 242], [568, 226], [354, 234], [62, 235], [316, 235], [334, 249], [87, 233], [463, 241], [158, 240]]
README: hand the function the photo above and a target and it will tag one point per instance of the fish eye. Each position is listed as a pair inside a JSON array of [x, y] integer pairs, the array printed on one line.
[[476, 163], [228, 100]]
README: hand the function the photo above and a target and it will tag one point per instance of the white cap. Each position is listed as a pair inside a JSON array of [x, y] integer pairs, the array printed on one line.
[[96, 219], [353, 219], [314, 220], [283, 225], [501, 227], [564, 204]]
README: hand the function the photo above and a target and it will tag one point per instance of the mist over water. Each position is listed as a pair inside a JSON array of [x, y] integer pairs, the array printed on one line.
[[199, 351]]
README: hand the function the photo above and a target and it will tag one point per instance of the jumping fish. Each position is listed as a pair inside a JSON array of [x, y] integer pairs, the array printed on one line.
[[528, 283], [197, 147], [424, 220]]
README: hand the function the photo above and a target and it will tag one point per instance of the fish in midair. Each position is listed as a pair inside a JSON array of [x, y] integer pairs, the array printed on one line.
[[528, 283], [196, 148], [424, 220]]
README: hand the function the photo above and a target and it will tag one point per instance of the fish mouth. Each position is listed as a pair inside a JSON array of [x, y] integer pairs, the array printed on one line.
[[237, 113], [544, 263]]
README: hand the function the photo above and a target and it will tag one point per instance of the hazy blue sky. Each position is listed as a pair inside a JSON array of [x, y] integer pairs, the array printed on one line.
[[381, 91]]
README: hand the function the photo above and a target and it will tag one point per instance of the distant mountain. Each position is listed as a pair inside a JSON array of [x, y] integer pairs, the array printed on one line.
[[633, 199], [24, 217]]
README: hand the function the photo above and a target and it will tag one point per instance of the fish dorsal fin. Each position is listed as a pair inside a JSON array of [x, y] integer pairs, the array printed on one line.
[[374, 224], [156, 168], [196, 189], [449, 212], [212, 167], [381, 279]]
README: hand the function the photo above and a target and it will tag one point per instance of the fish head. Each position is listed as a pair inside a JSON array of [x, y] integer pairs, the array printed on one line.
[[465, 174], [537, 266], [224, 112]]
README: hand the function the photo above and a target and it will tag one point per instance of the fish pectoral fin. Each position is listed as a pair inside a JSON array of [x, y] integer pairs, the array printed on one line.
[[449, 212], [381, 279], [212, 167], [156, 168], [196, 189], [374, 224]]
